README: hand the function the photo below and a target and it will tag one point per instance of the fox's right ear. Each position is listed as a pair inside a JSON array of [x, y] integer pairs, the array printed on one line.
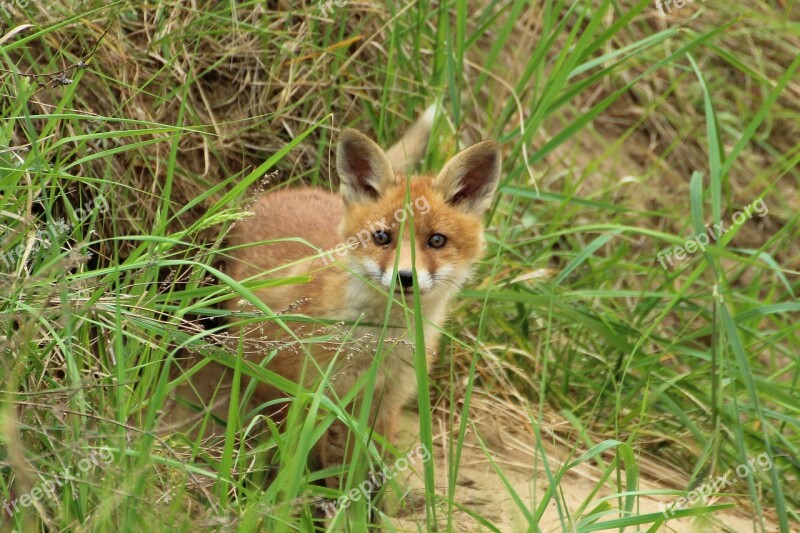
[[364, 170]]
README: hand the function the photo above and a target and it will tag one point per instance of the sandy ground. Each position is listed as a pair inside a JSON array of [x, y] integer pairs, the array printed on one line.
[[482, 491]]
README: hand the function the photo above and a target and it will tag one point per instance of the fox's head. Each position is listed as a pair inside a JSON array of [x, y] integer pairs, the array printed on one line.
[[444, 213]]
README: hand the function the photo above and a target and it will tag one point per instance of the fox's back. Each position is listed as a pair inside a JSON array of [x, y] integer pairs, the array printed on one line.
[[310, 214]]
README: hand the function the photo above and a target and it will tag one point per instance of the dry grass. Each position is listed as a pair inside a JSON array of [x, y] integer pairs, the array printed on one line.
[[198, 95]]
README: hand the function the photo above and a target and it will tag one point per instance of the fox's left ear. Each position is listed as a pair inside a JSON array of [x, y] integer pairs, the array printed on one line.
[[364, 169], [469, 179]]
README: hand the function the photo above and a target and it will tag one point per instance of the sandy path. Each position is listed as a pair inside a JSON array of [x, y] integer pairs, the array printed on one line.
[[480, 489]]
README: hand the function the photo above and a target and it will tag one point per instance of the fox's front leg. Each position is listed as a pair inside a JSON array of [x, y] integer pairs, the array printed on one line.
[[396, 499], [335, 450], [336, 445], [388, 420]]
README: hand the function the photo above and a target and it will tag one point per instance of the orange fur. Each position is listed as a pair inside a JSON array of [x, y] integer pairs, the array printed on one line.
[[349, 281]]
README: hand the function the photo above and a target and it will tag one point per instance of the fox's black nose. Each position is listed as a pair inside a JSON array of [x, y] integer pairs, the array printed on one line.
[[405, 279]]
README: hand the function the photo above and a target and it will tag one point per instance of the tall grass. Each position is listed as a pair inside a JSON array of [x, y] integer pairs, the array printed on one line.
[[624, 134]]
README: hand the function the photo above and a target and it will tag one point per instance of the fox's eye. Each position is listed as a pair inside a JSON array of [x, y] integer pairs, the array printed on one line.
[[437, 240], [382, 238]]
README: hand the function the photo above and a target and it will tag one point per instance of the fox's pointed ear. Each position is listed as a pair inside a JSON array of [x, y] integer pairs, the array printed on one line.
[[364, 170], [469, 179]]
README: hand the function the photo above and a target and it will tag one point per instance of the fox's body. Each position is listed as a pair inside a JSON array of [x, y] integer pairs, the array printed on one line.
[[359, 235], [331, 294]]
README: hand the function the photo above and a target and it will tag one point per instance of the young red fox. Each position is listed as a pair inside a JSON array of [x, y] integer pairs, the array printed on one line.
[[352, 285]]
